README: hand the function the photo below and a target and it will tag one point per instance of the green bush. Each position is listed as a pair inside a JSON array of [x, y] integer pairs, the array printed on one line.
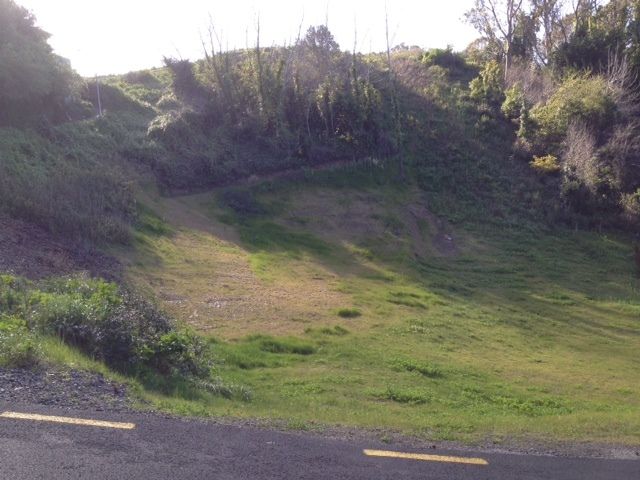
[[177, 352], [18, 347], [580, 98], [453, 62], [120, 328], [487, 87], [95, 317], [513, 102], [12, 296]]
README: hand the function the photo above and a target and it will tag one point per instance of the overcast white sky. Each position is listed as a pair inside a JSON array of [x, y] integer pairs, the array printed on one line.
[[117, 36]]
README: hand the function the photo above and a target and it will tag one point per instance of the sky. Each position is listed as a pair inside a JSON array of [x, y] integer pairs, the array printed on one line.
[[117, 36]]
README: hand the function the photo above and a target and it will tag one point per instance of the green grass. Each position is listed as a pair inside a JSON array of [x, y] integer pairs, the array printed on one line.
[[525, 333]]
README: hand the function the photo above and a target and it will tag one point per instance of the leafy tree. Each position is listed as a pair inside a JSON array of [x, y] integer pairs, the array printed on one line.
[[551, 28], [599, 33], [34, 82], [497, 21]]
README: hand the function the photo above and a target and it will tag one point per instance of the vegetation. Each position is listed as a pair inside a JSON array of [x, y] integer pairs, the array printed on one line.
[[429, 241], [35, 84], [116, 328], [578, 103], [525, 332]]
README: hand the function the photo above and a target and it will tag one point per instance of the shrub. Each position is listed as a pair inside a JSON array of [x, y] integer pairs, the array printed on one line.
[[513, 102], [11, 293], [336, 331], [177, 352], [406, 299], [621, 153], [225, 390], [527, 124], [445, 58], [19, 349], [487, 88], [118, 327], [631, 205], [580, 161], [547, 164], [580, 98]]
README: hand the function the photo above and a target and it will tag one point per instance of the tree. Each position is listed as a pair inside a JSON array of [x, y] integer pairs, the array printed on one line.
[[497, 20], [598, 33], [34, 82], [550, 27]]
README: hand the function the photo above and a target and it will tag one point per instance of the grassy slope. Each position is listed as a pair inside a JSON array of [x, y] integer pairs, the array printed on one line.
[[509, 333], [509, 330]]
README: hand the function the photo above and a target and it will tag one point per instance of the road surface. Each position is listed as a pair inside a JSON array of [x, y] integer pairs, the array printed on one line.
[[36, 444]]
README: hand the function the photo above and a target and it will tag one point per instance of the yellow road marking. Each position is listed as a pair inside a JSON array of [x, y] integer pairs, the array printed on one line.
[[428, 458], [72, 421]]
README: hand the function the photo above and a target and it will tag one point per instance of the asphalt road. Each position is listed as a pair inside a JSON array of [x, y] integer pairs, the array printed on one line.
[[165, 448]]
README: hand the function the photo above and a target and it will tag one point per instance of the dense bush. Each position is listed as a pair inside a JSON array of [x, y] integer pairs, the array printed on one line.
[[579, 98], [177, 352], [120, 328], [454, 62], [514, 102], [19, 349], [487, 87], [268, 109]]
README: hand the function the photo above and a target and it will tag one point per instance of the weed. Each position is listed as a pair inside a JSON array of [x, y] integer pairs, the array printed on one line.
[[282, 345], [406, 299], [406, 395], [349, 313], [337, 330], [424, 369]]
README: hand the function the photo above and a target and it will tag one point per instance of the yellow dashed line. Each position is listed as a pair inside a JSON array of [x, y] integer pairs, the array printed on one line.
[[424, 457], [71, 421]]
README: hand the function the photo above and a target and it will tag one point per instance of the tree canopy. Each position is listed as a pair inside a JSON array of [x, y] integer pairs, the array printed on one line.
[[34, 82]]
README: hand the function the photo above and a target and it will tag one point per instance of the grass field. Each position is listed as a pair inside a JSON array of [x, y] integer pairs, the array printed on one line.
[[359, 307]]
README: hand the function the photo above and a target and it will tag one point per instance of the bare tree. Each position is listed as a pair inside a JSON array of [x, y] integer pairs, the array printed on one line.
[[497, 21], [394, 94], [580, 154], [623, 82]]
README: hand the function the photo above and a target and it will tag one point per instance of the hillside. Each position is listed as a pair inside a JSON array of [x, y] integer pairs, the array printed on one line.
[[353, 306], [314, 238]]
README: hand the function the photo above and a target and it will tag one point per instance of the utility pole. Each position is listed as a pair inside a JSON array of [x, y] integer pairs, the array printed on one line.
[[99, 99]]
